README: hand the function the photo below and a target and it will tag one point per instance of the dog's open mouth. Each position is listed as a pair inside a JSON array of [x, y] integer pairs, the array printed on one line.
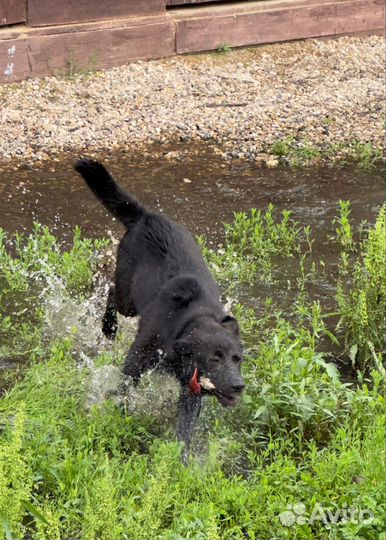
[[227, 400]]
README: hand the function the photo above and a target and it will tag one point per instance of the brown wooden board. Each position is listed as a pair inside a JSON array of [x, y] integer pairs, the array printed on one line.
[[12, 11], [17, 31], [13, 60], [43, 12], [272, 21], [188, 2], [67, 53], [37, 52]]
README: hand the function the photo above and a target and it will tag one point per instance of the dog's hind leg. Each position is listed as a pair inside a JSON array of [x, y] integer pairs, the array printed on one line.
[[188, 411], [110, 320]]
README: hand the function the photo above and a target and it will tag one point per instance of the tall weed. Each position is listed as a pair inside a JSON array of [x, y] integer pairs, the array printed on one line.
[[361, 296], [15, 475], [252, 241]]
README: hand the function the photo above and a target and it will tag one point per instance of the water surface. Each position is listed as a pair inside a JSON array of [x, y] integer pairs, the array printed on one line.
[[197, 188]]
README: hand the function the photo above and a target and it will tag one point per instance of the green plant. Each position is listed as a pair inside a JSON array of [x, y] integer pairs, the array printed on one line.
[[296, 153], [225, 48], [252, 241], [15, 476], [101, 512], [282, 148], [361, 296], [293, 391], [365, 154], [299, 152], [301, 435], [73, 68], [343, 228]]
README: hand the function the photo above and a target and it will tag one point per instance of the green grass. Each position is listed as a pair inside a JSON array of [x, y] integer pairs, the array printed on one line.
[[299, 153], [251, 242], [74, 69], [38, 264], [301, 457], [104, 475]]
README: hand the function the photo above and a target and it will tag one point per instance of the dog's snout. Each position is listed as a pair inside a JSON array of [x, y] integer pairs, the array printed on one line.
[[238, 387]]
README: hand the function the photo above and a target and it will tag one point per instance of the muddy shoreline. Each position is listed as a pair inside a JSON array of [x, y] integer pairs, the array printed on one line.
[[325, 94]]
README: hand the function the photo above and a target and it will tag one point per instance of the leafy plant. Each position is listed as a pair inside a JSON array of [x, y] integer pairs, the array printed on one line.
[[293, 391], [343, 228], [225, 48], [15, 476], [73, 68], [282, 148], [365, 154], [251, 242], [361, 296], [297, 152]]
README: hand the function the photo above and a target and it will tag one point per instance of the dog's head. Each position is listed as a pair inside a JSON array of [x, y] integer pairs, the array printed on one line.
[[214, 348]]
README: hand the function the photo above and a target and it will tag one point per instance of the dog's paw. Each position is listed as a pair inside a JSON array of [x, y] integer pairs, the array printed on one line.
[[110, 326]]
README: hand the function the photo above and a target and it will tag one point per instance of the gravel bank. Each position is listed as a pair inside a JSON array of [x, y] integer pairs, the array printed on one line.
[[321, 91]]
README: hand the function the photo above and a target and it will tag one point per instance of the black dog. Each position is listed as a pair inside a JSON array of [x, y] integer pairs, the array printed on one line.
[[162, 277]]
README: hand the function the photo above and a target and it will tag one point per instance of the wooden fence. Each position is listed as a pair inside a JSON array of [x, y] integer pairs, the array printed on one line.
[[43, 12], [42, 37]]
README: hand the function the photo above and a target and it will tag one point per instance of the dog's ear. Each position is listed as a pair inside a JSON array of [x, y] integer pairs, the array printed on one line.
[[181, 290], [183, 348], [230, 324]]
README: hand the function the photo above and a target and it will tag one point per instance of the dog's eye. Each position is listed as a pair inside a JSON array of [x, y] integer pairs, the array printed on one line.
[[236, 358], [218, 355]]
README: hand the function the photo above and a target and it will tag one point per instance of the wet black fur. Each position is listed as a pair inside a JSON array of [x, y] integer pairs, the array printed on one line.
[[162, 277]]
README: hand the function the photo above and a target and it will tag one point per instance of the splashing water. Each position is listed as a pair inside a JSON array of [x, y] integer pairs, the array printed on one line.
[[66, 316]]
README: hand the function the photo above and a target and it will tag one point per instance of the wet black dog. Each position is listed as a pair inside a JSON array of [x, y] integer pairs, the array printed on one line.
[[162, 277]]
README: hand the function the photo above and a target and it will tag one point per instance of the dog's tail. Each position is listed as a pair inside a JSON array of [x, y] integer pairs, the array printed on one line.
[[122, 205]]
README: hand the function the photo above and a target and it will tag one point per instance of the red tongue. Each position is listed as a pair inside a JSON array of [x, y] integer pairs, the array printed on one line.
[[194, 385]]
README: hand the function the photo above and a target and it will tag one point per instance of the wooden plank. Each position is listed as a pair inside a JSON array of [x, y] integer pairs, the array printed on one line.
[[37, 52], [188, 2], [270, 21], [12, 11], [14, 64], [14, 32], [82, 51], [41, 12]]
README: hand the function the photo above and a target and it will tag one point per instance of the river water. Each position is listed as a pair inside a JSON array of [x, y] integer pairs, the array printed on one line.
[[196, 187]]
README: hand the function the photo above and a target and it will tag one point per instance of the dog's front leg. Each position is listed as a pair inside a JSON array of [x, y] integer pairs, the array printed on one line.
[[188, 411], [110, 320], [136, 363], [143, 355]]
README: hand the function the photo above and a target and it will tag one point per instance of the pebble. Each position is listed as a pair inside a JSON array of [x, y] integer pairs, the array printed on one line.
[[322, 91]]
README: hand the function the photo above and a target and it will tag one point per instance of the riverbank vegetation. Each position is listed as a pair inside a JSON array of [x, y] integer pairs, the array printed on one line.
[[301, 457]]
